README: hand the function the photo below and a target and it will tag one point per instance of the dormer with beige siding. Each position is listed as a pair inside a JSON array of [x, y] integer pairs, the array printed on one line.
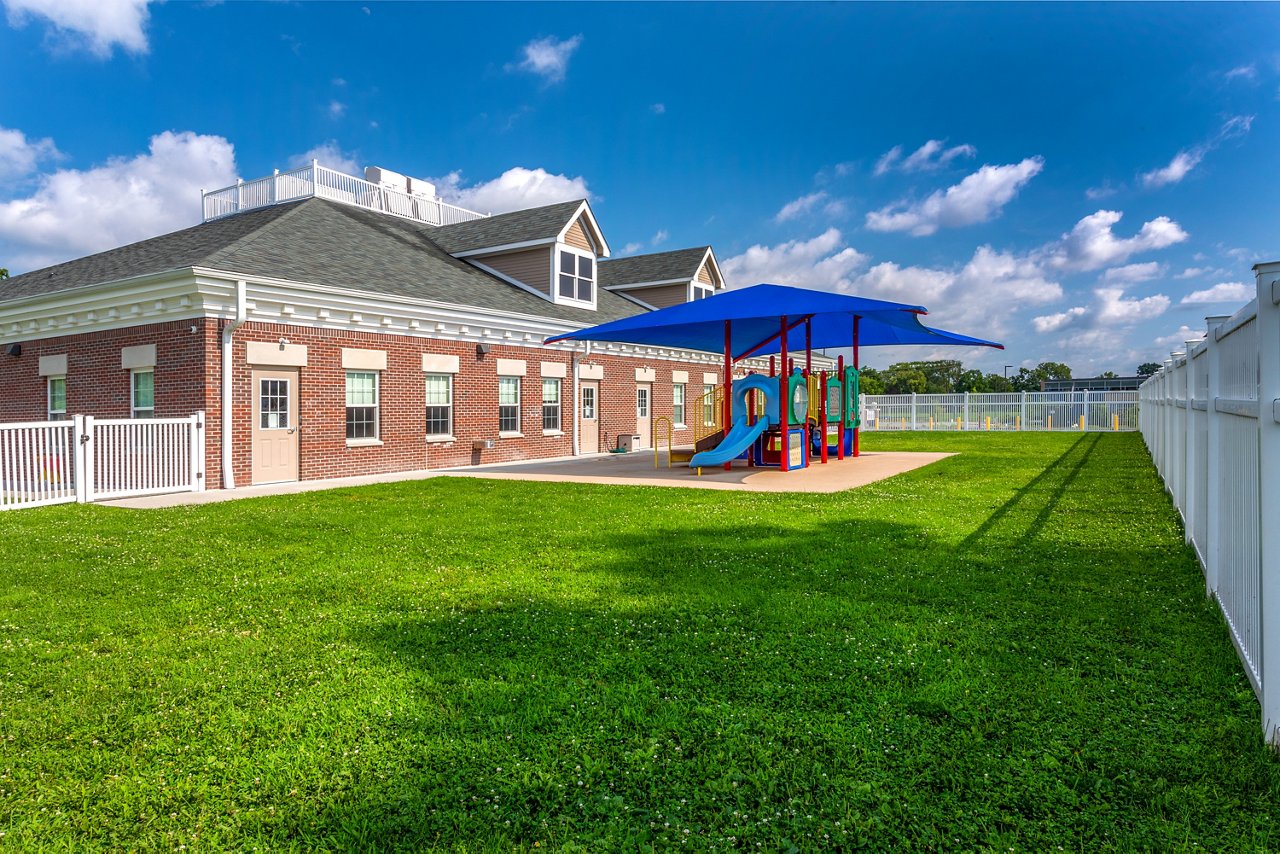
[[552, 251], [664, 278]]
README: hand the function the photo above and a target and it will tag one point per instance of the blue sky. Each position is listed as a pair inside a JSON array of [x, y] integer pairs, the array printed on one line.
[[1083, 183]]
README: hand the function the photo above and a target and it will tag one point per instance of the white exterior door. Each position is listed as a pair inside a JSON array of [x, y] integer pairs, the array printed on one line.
[[589, 435], [644, 414], [275, 425]]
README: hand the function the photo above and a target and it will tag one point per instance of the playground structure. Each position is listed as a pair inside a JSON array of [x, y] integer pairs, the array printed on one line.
[[785, 418]]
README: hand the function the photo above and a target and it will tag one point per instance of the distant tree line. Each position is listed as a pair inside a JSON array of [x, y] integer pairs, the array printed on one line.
[[947, 376]]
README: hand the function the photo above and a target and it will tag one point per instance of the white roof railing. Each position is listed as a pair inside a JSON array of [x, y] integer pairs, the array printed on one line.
[[322, 182]]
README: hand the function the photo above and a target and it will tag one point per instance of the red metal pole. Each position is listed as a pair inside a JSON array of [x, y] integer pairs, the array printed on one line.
[[822, 417], [728, 382], [840, 427], [808, 347], [784, 452], [856, 451]]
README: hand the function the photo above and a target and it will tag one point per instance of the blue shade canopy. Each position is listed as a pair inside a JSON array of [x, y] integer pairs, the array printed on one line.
[[756, 314]]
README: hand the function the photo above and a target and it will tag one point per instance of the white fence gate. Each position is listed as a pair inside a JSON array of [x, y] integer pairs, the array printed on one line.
[[1211, 420], [1030, 410], [89, 459]]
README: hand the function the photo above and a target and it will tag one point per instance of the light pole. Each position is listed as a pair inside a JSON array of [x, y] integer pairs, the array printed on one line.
[[1006, 371]]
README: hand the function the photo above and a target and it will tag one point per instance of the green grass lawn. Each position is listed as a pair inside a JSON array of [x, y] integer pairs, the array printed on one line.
[[1010, 648]]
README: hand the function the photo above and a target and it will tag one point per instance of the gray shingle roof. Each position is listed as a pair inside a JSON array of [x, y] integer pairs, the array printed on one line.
[[320, 242], [679, 264], [544, 223]]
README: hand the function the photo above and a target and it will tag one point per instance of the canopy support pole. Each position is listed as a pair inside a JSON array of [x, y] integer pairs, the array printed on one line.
[[856, 451], [843, 415], [784, 405], [728, 380]]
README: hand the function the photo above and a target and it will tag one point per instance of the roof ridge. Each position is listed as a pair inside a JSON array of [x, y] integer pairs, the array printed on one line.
[[248, 239]]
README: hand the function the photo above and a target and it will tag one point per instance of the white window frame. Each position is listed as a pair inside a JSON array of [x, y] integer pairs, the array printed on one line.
[[136, 411], [590, 391], [696, 287], [519, 431], [61, 414], [678, 409], [447, 436], [376, 438], [556, 271], [559, 407], [707, 415]]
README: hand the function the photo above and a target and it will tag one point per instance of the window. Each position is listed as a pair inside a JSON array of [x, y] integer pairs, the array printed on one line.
[[57, 398], [642, 401], [708, 406], [508, 404], [701, 291], [143, 396], [677, 403], [362, 404], [589, 402], [577, 276], [439, 404], [550, 405], [273, 404]]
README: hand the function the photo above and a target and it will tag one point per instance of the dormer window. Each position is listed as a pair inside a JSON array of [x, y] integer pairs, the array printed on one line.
[[576, 276], [701, 291]]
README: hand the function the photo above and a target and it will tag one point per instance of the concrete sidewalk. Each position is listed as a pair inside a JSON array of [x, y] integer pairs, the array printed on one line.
[[635, 469]]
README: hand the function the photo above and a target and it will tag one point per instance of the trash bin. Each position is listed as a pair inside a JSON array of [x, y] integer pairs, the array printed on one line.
[[628, 441]]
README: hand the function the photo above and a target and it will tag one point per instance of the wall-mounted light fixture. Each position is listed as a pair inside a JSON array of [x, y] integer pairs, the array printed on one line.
[[13, 350], [284, 342], [481, 350]]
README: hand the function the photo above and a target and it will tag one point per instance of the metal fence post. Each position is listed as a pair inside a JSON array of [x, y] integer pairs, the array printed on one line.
[[966, 410], [1268, 276], [913, 411], [1022, 417]]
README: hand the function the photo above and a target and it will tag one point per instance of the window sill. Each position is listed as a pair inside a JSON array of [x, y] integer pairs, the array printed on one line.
[[553, 432], [363, 443], [679, 426], [510, 434], [440, 438]]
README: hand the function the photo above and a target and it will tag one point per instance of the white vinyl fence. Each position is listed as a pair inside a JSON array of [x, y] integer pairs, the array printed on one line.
[[1032, 410], [88, 459], [1211, 420]]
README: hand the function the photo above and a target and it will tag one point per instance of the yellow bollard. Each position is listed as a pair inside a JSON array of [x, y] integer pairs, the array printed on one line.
[[1050, 422], [930, 422], [1082, 423], [988, 422], [1115, 423], [904, 424], [1017, 420]]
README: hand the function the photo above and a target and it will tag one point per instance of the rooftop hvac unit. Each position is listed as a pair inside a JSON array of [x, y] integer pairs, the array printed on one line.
[[419, 187], [386, 178]]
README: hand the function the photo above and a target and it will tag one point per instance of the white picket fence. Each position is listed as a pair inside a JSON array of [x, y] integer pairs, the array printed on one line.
[[1211, 420], [90, 459], [1031, 410]]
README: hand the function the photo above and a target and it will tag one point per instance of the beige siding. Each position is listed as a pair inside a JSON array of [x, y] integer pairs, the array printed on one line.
[[533, 267], [576, 236], [704, 275], [663, 297]]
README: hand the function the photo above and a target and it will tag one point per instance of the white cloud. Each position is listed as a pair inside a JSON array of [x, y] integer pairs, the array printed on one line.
[[1056, 322], [978, 198], [516, 189], [1133, 273], [1091, 244], [97, 26], [657, 109], [821, 262], [800, 206], [19, 156], [1243, 72], [329, 154], [1114, 310], [77, 212], [931, 156], [632, 248], [660, 236], [1221, 292], [547, 57], [1179, 339], [1193, 272], [1106, 190], [338, 81], [1187, 159], [336, 109]]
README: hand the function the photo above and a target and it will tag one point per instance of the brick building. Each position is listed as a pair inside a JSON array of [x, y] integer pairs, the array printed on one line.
[[330, 326]]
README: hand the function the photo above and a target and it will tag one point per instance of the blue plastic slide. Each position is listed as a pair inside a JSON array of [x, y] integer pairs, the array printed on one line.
[[738, 440]]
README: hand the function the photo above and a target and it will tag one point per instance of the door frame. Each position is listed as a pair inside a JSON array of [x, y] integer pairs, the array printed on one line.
[[293, 376]]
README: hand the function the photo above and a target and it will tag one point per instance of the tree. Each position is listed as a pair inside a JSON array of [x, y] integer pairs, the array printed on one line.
[[903, 379], [940, 375], [972, 380], [998, 383], [870, 381], [1146, 369], [1108, 375], [4, 272]]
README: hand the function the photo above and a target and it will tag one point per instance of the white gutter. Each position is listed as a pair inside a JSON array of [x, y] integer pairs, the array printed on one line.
[[228, 331]]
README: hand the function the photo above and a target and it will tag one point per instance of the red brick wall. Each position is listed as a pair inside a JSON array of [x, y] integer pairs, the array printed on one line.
[[188, 378]]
